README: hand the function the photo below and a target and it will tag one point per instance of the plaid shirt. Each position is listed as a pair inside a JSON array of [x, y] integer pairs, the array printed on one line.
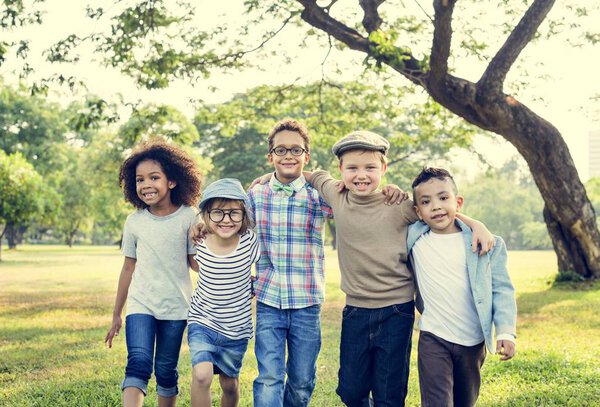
[[289, 226]]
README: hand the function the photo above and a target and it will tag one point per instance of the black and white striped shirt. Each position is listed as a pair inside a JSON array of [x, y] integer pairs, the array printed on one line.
[[222, 300]]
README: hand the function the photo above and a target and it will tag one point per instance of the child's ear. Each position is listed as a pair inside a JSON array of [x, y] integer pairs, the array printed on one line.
[[418, 211], [383, 168], [171, 184], [459, 202]]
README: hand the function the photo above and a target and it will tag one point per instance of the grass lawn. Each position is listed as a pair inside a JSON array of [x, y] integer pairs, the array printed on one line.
[[56, 305]]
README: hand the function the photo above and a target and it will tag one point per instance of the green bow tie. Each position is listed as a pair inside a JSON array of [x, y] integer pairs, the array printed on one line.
[[286, 188]]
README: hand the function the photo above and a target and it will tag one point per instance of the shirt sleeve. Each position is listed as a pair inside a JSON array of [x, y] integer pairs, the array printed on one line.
[[129, 241], [191, 248], [324, 184]]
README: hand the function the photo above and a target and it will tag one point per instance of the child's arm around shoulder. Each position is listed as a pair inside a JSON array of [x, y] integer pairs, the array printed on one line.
[[122, 290], [504, 308], [482, 237]]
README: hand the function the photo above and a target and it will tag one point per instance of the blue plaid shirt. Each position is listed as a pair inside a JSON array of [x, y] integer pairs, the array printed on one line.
[[289, 225]]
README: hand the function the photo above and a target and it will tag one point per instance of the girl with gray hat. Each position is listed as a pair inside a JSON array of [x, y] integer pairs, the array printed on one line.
[[220, 317]]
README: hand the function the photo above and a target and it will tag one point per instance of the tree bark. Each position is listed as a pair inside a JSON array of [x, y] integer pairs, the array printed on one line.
[[568, 213]]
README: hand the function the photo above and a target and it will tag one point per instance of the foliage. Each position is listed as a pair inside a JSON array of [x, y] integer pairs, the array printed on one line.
[[33, 127], [330, 110], [20, 191], [510, 207], [162, 121]]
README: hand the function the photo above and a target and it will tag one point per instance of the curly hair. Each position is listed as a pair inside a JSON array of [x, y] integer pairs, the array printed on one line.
[[177, 165], [290, 125]]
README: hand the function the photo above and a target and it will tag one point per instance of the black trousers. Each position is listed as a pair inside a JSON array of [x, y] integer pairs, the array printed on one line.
[[449, 374]]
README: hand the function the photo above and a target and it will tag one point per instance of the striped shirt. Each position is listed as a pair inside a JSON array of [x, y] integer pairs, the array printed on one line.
[[222, 300], [290, 271]]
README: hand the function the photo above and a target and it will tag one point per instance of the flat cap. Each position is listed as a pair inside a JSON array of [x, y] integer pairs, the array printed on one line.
[[229, 188], [361, 139]]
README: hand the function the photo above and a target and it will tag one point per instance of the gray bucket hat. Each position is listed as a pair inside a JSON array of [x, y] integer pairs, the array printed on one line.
[[229, 188]]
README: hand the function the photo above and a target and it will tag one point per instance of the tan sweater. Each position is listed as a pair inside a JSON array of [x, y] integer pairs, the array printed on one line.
[[371, 240]]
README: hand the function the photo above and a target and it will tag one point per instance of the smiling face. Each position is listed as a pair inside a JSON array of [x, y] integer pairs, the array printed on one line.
[[230, 216], [288, 167], [152, 185], [437, 203], [362, 171]]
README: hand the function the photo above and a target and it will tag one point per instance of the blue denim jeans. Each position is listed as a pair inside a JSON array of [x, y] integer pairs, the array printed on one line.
[[301, 330], [375, 354], [141, 332]]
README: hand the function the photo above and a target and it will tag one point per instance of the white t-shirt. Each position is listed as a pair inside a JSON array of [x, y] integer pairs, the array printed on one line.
[[222, 300], [161, 285], [441, 269]]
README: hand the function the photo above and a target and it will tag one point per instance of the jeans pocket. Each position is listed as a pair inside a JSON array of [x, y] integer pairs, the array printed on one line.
[[347, 312], [405, 310]]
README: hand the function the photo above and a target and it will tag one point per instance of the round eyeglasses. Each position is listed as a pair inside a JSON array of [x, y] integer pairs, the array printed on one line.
[[281, 151], [235, 215]]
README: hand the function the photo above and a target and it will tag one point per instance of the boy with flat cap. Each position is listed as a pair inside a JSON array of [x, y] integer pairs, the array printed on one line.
[[379, 313]]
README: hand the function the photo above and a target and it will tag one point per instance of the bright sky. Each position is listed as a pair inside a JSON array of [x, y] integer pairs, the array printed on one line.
[[569, 81]]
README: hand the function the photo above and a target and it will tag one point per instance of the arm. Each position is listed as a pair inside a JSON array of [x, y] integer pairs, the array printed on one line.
[[193, 264], [122, 290], [481, 235], [504, 308]]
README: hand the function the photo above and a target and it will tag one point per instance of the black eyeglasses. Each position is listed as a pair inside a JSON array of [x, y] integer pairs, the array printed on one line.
[[281, 151], [217, 215]]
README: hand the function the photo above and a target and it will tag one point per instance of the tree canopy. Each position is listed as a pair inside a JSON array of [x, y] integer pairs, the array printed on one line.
[[156, 42]]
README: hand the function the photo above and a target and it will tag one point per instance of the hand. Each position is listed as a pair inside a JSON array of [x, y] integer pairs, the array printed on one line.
[[198, 233], [482, 239], [261, 180], [506, 349], [394, 194], [113, 331], [340, 186], [252, 292]]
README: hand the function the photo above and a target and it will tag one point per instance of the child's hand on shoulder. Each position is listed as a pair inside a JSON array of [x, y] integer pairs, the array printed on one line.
[[198, 233], [505, 348], [262, 180], [394, 194]]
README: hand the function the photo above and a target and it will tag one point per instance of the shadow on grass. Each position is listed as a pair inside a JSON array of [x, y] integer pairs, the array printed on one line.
[[573, 302], [27, 305]]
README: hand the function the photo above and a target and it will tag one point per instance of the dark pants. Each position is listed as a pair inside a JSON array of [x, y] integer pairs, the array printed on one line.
[[449, 374], [375, 355]]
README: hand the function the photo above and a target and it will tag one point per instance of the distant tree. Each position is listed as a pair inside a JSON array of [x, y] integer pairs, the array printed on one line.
[[234, 133], [508, 203], [20, 191], [33, 127]]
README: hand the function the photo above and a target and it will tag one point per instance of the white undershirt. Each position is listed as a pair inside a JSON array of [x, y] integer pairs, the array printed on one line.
[[441, 269]]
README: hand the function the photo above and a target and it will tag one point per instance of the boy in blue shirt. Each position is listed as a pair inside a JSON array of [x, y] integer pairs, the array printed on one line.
[[460, 296]]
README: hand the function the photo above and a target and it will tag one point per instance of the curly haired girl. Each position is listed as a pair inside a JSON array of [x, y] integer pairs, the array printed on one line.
[[163, 183]]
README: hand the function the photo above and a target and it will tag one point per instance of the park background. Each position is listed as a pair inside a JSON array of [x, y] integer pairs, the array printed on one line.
[[65, 127]]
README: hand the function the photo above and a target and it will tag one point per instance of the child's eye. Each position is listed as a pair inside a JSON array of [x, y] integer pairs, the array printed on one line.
[[424, 202], [138, 180]]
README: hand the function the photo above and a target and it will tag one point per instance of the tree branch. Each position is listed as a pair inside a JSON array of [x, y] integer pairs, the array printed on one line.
[[492, 80], [319, 18], [442, 36], [371, 20]]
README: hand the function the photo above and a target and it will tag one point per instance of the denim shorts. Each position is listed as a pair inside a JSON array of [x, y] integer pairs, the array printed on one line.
[[208, 345], [153, 344]]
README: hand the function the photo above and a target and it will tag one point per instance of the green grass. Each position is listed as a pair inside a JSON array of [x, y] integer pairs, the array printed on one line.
[[56, 303]]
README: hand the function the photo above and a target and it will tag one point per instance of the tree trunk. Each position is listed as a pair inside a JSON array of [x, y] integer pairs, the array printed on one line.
[[568, 212], [11, 235], [2, 230]]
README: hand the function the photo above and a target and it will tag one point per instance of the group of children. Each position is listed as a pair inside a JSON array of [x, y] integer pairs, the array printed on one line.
[[386, 250]]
